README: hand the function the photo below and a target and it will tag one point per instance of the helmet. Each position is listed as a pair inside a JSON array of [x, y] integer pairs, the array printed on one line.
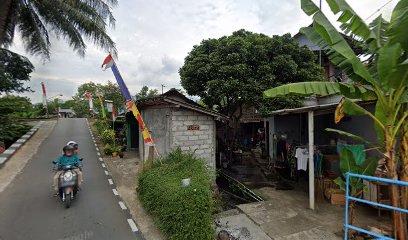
[[67, 148], [73, 144]]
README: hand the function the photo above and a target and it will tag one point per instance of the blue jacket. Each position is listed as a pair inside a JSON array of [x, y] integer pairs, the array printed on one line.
[[64, 160]]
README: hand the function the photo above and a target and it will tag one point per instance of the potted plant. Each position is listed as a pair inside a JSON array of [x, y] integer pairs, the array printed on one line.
[[115, 150]]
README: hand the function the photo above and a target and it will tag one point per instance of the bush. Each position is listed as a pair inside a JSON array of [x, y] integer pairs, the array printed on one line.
[[180, 212], [107, 149], [116, 149], [101, 125], [108, 136]]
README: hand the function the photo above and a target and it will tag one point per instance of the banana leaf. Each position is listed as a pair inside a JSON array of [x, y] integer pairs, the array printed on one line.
[[321, 89], [398, 30]]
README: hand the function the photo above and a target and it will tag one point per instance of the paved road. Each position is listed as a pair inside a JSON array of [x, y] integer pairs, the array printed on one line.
[[29, 211]]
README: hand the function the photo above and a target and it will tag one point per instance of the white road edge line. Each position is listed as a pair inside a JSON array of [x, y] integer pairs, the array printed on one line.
[[97, 149], [115, 192], [132, 225], [103, 165], [106, 173], [122, 205], [98, 154], [100, 159], [110, 181]]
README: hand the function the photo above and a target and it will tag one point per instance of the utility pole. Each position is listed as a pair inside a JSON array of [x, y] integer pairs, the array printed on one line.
[[162, 88]]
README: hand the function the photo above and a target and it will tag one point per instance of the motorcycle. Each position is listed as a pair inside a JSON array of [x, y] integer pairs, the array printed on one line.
[[68, 184]]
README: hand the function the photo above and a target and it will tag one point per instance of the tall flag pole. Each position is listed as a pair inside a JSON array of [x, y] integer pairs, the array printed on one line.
[[130, 104], [89, 96], [44, 98], [102, 107]]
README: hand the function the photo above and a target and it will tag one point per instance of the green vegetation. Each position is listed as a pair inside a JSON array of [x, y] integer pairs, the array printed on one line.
[[182, 213], [73, 21], [231, 71], [108, 136], [383, 77], [15, 70], [348, 164], [107, 149], [11, 109]]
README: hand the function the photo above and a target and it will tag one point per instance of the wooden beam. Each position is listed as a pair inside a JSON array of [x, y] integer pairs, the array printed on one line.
[[311, 162]]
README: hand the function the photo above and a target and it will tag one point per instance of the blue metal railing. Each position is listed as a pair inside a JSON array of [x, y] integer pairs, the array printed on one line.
[[348, 198]]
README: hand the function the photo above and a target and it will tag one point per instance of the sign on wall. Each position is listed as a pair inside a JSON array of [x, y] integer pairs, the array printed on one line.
[[193, 127]]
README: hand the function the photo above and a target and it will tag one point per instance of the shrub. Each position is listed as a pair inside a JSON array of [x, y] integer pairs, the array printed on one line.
[[116, 149], [180, 212], [107, 149], [108, 136], [101, 125]]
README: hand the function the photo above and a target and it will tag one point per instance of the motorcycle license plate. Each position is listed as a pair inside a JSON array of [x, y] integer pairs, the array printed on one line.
[[66, 184]]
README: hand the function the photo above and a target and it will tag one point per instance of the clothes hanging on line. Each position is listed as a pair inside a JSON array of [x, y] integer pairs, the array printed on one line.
[[302, 156]]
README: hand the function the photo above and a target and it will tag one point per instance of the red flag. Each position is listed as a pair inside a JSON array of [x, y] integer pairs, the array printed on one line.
[[113, 113]]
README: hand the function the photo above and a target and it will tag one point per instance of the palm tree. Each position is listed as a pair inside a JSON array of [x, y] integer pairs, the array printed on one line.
[[69, 19], [383, 77]]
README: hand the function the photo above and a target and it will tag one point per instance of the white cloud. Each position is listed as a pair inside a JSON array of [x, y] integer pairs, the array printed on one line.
[[153, 37]]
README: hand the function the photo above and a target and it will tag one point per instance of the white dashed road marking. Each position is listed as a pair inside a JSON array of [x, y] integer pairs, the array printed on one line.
[[122, 205], [132, 225], [115, 192]]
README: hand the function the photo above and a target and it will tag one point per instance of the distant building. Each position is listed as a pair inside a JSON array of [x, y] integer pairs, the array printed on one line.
[[66, 112]]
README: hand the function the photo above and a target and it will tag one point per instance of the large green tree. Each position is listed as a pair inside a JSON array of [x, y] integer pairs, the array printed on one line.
[[14, 72], [382, 78], [71, 20], [108, 91], [146, 92], [234, 70]]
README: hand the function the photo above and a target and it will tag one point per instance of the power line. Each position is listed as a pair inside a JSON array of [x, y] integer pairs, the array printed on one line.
[[376, 11]]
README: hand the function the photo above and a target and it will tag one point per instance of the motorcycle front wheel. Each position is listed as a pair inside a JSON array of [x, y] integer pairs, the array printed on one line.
[[68, 201]]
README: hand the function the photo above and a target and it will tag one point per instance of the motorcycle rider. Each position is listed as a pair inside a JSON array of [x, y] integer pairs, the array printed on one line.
[[79, 169], [68, 158]]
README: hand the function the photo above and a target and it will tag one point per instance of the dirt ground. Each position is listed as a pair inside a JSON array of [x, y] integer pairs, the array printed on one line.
[[124, 173]]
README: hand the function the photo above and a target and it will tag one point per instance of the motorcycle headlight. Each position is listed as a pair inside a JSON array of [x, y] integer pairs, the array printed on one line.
[[68, 176]]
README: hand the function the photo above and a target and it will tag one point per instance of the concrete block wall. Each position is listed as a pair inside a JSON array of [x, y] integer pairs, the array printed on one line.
[[201, 141]]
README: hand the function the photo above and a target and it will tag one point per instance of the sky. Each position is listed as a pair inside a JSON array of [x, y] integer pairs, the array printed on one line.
[[153, 38]]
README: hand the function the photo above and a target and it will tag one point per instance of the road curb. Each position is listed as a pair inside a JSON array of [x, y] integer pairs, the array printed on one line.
[[131, 221], [6, 155]]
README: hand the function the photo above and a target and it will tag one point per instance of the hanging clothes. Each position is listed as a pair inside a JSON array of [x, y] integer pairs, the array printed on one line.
[[302, 156]]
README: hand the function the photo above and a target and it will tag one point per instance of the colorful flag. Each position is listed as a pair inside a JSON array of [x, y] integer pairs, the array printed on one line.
[[44, 95], [89, 96], [130, 104], [102, 107]]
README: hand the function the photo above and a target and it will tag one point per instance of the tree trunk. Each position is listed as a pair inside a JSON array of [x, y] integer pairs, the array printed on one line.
[[404, 177], [394, 189]]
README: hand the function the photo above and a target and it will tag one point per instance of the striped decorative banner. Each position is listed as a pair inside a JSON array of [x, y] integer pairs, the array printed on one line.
[[130, 104]]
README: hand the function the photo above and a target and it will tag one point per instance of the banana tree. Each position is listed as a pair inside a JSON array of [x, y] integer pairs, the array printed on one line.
[[349, 164], [381, 77]]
